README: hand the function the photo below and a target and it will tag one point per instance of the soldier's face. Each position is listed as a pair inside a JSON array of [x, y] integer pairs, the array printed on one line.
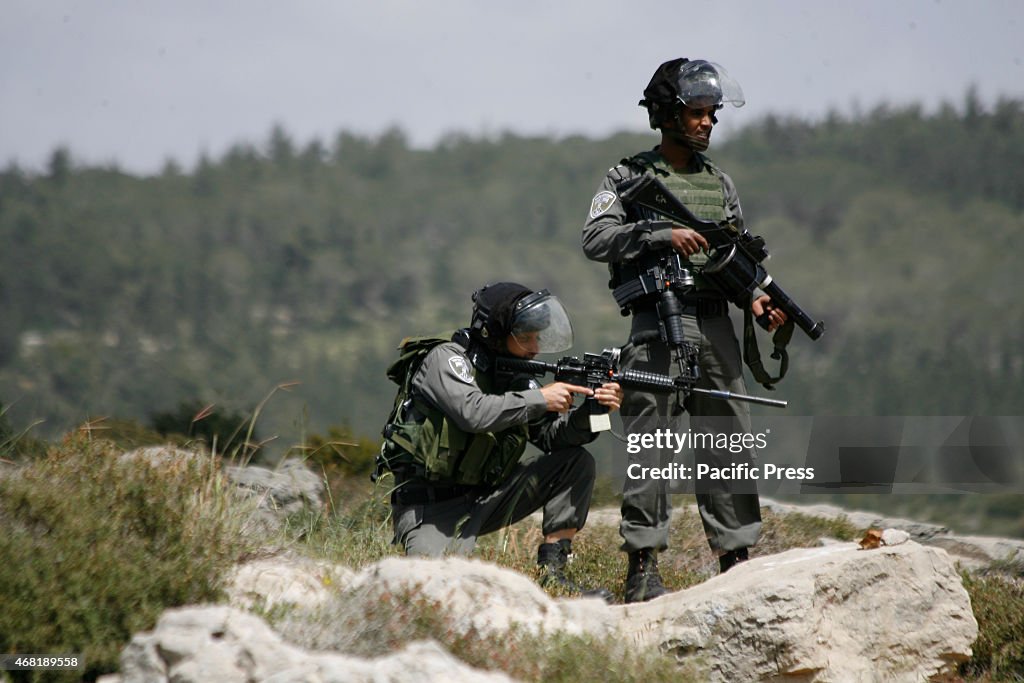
[[523, 345], [698, 122]]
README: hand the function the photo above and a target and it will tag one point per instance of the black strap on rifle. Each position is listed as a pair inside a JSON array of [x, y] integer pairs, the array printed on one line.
[[752, 355]]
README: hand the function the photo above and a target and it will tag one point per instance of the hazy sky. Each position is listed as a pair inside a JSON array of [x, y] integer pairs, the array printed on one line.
[[139, 81]]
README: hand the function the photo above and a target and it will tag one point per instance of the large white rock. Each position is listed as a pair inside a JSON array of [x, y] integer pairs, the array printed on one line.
[[479, 595], [973, 552], [285, 581], [835, 613], [222, 644], [981, 551]]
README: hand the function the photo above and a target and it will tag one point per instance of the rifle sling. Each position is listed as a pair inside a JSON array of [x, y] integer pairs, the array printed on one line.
[[752, 355]]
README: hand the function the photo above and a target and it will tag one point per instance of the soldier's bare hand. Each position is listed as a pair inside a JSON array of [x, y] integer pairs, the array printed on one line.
[[610, 395], [559, 395], [776, 316], [687, 241]]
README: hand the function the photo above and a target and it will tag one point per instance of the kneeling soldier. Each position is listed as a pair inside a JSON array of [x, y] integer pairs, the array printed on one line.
[[457, 436]]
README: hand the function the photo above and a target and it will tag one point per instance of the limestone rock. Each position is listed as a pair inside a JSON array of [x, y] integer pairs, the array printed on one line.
[[894, 536], [834, 613], [919, 531], [479, 595], [203, 644], [981, 551], [973, 552], [288, 488], [285, 580], [159, 456]]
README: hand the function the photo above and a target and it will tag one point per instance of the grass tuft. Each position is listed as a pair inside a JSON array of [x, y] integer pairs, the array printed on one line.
[[402, 618]]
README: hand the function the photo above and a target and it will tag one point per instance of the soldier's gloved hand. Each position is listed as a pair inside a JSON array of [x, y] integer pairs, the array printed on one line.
[[559, 395], [609, 395], [776, 316], [687, 241]]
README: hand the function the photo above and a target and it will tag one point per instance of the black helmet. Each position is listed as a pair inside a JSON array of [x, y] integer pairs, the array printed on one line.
[[506, 309], [694, 83]]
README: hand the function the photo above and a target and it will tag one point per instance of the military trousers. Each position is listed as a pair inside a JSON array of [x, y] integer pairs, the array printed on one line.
[[730, 513], [561, 482]]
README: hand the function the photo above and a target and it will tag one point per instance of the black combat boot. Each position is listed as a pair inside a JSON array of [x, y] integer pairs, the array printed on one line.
[[552, 559], [643, 582], [731, 558]]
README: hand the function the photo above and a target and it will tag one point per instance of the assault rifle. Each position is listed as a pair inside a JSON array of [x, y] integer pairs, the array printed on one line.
[[597, 369], [734, 265]]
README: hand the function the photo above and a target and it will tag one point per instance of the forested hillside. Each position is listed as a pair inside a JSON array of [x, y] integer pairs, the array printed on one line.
[[124, 296]]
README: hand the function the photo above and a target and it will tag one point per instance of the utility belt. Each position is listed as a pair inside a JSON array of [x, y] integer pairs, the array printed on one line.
[[694, 306], [637, 286], [415, 491]]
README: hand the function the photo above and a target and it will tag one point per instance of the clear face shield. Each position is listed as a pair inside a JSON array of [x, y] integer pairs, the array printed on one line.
[[704, 84], [540, 324]]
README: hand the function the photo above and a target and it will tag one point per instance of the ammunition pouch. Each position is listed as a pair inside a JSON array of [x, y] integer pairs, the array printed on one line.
[[427, 444]]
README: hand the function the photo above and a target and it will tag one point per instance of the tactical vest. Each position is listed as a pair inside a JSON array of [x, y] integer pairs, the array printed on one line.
[[423, 442], [701, 191]]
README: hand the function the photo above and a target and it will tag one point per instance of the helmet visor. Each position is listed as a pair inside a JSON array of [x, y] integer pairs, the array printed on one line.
[[707, 84], [541, 324]]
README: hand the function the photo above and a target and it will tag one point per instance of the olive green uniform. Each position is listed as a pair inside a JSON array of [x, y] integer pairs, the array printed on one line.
[[431, 518], [610, 235]]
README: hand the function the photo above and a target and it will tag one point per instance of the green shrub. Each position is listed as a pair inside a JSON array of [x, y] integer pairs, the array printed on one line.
[[96, 546], [998, 604]]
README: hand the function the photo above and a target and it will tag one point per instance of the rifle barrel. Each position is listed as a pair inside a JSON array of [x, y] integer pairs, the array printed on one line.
[[728, 395]]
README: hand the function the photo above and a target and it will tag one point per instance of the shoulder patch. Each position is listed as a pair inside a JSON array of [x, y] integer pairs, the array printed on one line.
[[602, 202], [460, 366]]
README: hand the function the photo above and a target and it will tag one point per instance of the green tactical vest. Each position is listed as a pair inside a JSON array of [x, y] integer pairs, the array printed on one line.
[[701, 191], [420, 438]]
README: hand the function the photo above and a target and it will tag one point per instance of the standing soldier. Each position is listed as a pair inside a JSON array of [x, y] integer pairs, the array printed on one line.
[[682, 101]]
